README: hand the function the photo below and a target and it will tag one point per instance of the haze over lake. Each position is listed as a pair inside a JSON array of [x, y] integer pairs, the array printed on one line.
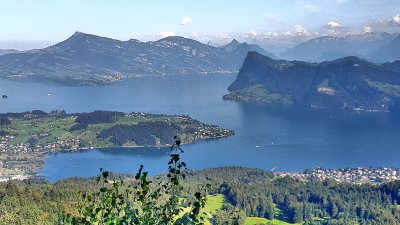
[[287, 138]]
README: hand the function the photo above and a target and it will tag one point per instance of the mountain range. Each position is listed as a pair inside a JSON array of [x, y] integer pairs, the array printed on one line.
[[347, 83], [7, 51], [85, 59], [377, 47], [388, 52]]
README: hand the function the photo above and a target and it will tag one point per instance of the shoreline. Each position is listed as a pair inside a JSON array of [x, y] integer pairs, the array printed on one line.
[[355, 175], [108, 81], [129, 146], [228, 97], [43, 154], [24, 153], [34, 173]]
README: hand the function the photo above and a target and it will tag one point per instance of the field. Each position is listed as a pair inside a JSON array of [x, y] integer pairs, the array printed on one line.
[[52, 131], [280, 219], [214, 202], [258, 220], [48, 130]]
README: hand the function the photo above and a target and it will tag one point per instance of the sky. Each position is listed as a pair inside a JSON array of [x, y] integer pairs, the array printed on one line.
[[43, 21]]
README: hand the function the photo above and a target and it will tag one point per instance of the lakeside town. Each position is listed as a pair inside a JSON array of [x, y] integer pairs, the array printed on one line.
[[358, 175], [20, 161]]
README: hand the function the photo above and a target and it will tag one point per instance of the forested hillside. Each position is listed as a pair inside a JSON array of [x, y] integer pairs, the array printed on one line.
[[247, 193]]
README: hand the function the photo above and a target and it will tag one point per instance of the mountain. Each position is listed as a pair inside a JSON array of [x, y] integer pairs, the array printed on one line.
[[327, 48], [85, 59], [320, 49], [7, 51], [346, 83], [367, 43], [242, 47], [389, 52]]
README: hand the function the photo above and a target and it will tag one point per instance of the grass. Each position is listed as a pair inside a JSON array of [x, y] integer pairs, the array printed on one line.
[[214, 203], [392, 89], [258, 220], [27, 128], [280, 219], [51, 129], [136, 120], [257, 93], [398, 207]]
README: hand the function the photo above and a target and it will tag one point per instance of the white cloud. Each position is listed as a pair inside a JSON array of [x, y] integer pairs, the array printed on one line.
[[298, 31], [396, 19], [367, 29], [186, 20], [167, 33], [251, 33], [333, 25], [301, 31], [386, 25]]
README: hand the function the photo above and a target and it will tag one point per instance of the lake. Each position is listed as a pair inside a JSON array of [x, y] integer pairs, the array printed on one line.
[[284, 138]]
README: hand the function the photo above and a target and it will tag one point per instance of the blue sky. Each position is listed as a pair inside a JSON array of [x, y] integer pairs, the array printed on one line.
[[52, 20]]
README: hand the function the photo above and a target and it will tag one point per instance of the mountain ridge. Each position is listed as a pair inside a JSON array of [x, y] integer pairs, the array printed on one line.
[[346, 83], [7, 51], [389, 52], [86, 59], [326, 48]]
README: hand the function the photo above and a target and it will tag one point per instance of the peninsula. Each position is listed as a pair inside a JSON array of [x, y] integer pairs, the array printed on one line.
[[25, 137]]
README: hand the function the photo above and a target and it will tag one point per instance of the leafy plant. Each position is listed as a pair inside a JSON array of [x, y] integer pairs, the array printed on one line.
[[141, 201]]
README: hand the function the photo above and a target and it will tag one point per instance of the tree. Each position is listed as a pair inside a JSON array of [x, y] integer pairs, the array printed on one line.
[[269, 209], [4, 121]]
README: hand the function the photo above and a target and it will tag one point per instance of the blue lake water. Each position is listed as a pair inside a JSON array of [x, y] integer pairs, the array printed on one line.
[[267, 136]]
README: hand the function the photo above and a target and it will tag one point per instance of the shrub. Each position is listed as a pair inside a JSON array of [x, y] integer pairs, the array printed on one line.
[[141, 201]]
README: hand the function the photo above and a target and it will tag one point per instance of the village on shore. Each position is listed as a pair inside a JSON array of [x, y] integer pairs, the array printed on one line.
[[358, 175]]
